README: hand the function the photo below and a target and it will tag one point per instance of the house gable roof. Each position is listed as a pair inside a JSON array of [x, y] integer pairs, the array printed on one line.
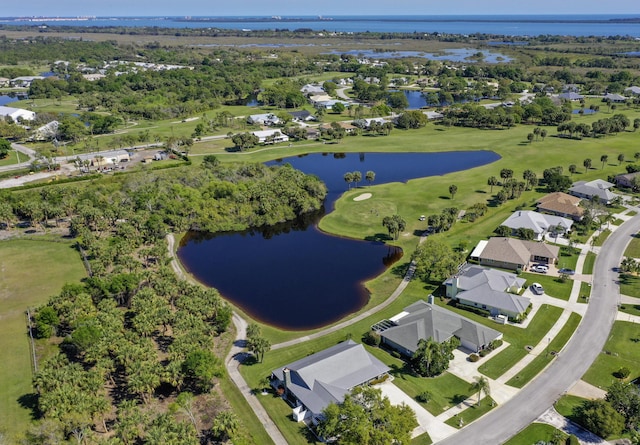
[[597, 187], [424, 320], [515, 251], [326, 376], [535, 221], [561, 203], [490, 287]]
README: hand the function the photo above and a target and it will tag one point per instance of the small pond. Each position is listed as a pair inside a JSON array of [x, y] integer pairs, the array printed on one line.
[[296, 277], [7, 99], [584, 111]]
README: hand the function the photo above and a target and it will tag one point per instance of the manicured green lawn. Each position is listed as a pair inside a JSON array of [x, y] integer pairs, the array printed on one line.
[[585, 292], [633, 249], [632, 213], [632, 309], [518, 339], [589, 261], [422, 439], [541, 361], [630, 285], [623, 347], [568, 258], [617, 222], [472, 413], [553, 286], [567, 404], [534, 433], [601, 238], [30, 272], [12, 158]]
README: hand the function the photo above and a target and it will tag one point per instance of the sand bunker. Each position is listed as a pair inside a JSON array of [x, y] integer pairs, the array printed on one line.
[[362, 197]]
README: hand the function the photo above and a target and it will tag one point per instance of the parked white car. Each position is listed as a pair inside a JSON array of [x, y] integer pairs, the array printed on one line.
[[537, 289], [540, 268]]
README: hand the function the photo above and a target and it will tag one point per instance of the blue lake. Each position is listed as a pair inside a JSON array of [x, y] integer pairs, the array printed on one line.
[[6, 99], [452, 55], [296, 277], [584, 111]]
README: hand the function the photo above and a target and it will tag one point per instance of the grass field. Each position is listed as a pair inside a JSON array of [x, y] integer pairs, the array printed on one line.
[[535, 433], [53, 263], [630, 285], [553, 286], [633, 249], [589, 262], [472, 413], [541, 361], [518, 339], [11, 158], [601, 238], [567, 403], [623, 349]]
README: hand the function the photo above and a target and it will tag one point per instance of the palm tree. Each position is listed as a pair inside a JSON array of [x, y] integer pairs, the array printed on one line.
[[370, 176], [225, 425], [452, 190], [481, 385], [491, 182], [604, 159], [620, 158], [348, 178], [572, 169], [587, 164]]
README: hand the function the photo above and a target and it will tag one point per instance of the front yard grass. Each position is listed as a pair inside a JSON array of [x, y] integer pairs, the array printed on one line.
[[553, 286], [633, 249], [567, 404], [539, 326], [54, 264], [541, 361], [622, 350], [631, 309], [534, 433], [585, 292], [630, 285], [601, 238], [568, 257], [472, 413], [589, 261]]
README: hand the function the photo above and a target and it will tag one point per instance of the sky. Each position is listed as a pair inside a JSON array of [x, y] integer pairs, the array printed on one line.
[[69, 8]]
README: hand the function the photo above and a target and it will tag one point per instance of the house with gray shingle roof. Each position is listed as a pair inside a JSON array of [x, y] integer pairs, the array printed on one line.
[[633, 90], [514, 254], [538, 222], [613, 97], [492, 290], [314, 382], [570, 96], [596, 188], [422, 320]]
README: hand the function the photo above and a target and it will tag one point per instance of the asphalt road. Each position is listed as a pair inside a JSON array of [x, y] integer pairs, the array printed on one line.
[[584, 347]]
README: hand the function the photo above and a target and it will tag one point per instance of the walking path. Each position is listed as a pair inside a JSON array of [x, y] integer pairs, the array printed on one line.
[[553, 418]]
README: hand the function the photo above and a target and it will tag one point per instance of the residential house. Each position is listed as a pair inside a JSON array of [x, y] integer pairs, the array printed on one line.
[[329, 104], [538, 222], [492, 290], [264, 119], [24, 81], [270, 136], [634, 91], [4, 82], [92, 77], [301, 116], [433, 115], [615, 98], [561, 204], [314, 382], [348, 128], [514, 254], [17, 113], [571, 96], [312, 133], [627, 180], [571, 88], [423, 320], [312, 89], [597, 188]]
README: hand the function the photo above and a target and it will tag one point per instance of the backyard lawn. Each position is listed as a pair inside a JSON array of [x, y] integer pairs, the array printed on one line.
[[55, 264], [621, 350], [535, 433]]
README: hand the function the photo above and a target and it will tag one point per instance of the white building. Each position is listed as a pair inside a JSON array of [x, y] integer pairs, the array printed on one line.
[[16, 113], [270, 136]]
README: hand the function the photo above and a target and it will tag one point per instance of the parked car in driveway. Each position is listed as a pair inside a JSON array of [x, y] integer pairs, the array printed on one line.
[[540, 268], [537, 289], [567, 271]]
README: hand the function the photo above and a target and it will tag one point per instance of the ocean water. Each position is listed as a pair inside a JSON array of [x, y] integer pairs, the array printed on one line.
[[510, 25]]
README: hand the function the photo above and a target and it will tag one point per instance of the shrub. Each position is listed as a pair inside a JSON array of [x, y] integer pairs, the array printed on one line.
[[424, 397], [396, 354], [622, 373], [474, 358], [484, 352], [572, 440], [371, 338], [495, 344]]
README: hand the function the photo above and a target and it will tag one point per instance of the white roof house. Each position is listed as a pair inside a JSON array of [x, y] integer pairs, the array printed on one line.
[[264, 119], [633, 90], [25, 81], [597, 187], [312, 89], [271, 136], [16, 113], [538, 222]]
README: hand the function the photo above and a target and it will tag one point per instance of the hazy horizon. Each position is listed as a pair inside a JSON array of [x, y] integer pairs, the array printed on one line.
[[247, 8]]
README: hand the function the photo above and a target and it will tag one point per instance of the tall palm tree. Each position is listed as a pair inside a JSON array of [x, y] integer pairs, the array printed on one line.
[[481, 385]]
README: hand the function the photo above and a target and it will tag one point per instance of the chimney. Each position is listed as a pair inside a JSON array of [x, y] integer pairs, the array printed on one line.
[[287, 378]]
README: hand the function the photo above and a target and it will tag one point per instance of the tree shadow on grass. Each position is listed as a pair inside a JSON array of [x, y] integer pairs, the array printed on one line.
[[379, 237], [30, 401], [400, 270], [457, 399]]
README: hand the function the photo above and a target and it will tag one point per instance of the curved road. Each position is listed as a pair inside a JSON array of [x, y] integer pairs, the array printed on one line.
[[584, 347]]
